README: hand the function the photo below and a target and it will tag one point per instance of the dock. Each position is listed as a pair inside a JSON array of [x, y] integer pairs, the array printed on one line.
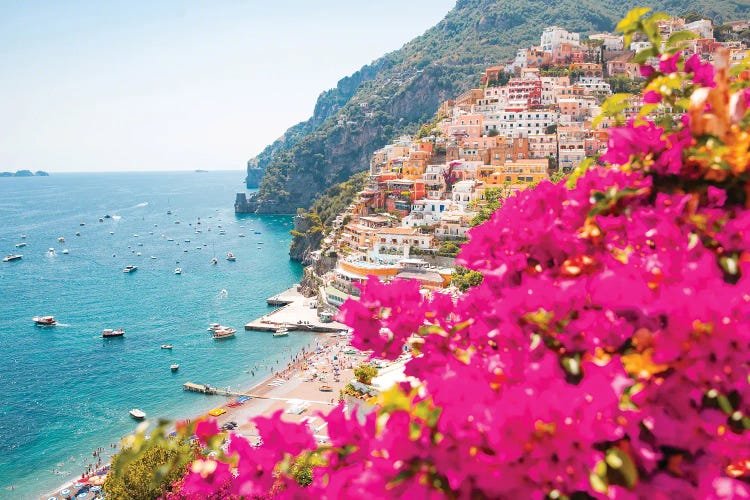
[[298, 313], [210, 390]]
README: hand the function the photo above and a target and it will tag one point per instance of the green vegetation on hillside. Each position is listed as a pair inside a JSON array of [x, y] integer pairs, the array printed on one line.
[[401, 91]]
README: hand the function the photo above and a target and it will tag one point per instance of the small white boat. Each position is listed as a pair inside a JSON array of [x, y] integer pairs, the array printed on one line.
[[174, 367], [129, 269], [51, 251], [214, 261], [23, 236], [44, 320], [21, 245], [231, 257], [153, 257], [178, 270], [12, 257], [166, 346], [111, 232], [224, 333], [78, 233], [61, 239], [65, 251], [138, 254], [137, 414], [241, 235], [281, 332], [170, 239]]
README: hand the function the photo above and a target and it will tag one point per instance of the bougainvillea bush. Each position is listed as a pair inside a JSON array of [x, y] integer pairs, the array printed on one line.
[[605, 353]]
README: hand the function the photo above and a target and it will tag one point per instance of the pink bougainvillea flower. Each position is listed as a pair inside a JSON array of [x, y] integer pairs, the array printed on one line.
[[668, 64], [652, 97], [703, 73]]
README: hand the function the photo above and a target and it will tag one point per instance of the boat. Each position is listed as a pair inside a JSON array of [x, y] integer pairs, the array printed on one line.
[[224, 333], [107, 216], [169, 212], [109, 333], [241, 235], [174, 367], [61, 239], [51, 251], [44, 320], [12, 257], [23, 236], [326, 388], [78, 233], [231, 257], [166, 346], [281, 332], [129, 269], [21, 245], [178, 270], [137, 414], [65, 251], [101, 219], [153, 257], [215, 326], [214, 261], [81, 223], [217, 412]]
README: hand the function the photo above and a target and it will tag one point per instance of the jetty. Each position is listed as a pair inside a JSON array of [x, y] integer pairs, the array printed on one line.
[[297, 313], [210, 390]]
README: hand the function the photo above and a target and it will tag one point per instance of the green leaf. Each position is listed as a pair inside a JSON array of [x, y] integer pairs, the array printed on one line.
[[581, 169], [631, 21], [676, 38], [642, 56], [619, 461]]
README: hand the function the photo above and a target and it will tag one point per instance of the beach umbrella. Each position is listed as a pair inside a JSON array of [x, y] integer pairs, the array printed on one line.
[[52, 498], [65, 492]]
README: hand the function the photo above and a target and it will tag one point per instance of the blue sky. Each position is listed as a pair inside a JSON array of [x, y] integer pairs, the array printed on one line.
[[178, 85]]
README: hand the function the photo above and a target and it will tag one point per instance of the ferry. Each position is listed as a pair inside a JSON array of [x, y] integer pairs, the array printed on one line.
[[12, 257], [281, 332], [137, 414], [231, 257], [224, 333], [44, 320], [109, 333], [129, 269]]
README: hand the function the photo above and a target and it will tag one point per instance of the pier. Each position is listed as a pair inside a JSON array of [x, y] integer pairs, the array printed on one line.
[[210, 390], [298, 313]]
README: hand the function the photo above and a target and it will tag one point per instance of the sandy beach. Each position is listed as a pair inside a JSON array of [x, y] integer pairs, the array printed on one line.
[[295, 389]]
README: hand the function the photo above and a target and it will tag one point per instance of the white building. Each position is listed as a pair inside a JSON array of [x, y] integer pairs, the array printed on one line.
[[554, 36], [609, 42], [521, 123], [703, 28], [426, 212]]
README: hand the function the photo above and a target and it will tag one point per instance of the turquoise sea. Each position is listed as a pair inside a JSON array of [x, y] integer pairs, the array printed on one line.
[[67, 391]]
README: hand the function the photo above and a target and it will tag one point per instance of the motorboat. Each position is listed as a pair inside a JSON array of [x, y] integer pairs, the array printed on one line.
[[44, 320], [174, 367], [241, 235], [215, 326], [23, 236], [178, 270], [281, 332], [129, 269], [12, 257], [101, 219], [153, 257], [138, 254], [65, 251], [78, 233], [61, 239], [137, 414], [21, 245], [231, 257], [51, 251], [166, 346], [224, 333], [110, 333], [81, 223], [214, 261]]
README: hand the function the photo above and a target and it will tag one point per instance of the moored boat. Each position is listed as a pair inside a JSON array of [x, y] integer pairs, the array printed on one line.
[[281, 332], [65, 251], [174, 367], [178, 270], [129, 269], [231, 257], [214, 261], [166, 346], [109, 333], [61, 239], [21, 245], [224, 333], [12, 257], [44, 320], [137, 414]]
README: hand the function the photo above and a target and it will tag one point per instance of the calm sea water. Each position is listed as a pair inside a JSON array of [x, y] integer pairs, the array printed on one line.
[[65, 390]]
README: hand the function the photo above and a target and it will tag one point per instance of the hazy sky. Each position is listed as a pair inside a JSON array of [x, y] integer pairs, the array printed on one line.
[[177, 85]]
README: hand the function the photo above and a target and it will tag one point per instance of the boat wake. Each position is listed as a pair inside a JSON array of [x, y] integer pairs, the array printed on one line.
[[141, 205]]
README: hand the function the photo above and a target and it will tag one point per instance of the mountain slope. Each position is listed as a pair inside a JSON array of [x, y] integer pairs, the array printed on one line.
[[403, 89]]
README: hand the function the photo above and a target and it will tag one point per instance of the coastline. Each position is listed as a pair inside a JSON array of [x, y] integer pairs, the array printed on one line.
[[295, 388]]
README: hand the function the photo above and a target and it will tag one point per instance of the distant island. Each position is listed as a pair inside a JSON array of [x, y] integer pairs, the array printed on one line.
[[25, 173], [200, 171]]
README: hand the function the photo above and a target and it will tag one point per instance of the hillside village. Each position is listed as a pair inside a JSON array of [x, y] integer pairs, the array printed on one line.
[[531, 119]]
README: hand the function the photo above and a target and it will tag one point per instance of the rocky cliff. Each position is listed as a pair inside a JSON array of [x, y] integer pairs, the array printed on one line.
[[401, 90]]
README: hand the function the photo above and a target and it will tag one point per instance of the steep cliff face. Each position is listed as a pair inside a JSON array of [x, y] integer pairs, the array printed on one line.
[[401, 90]]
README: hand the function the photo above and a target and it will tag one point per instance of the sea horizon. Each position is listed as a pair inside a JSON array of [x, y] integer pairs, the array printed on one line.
[[69, 390]]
